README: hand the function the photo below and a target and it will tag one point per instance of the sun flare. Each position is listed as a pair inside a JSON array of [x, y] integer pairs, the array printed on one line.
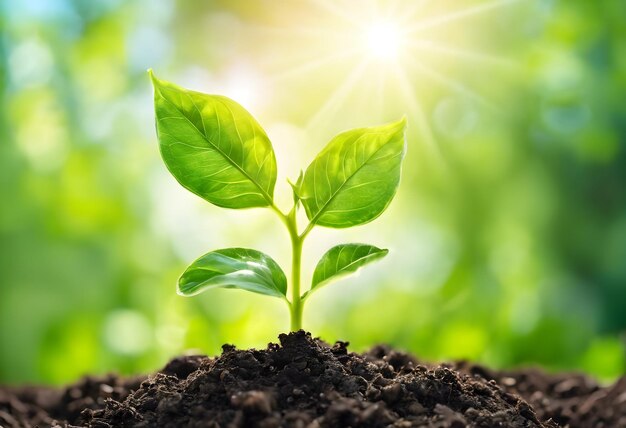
[[414, 49], [383, 40]]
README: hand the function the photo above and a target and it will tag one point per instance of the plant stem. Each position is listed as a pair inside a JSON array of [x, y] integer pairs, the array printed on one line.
[[296, 304], [296, 301]]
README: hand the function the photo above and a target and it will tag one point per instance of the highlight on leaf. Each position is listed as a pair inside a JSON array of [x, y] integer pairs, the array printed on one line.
[[240, 268]]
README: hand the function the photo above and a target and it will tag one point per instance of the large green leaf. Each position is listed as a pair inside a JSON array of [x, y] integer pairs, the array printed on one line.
[[241, 268], [214, 147], [355, 177], [343, 260]]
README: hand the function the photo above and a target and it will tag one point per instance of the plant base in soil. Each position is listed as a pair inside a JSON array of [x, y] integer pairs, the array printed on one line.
[[306, 383]]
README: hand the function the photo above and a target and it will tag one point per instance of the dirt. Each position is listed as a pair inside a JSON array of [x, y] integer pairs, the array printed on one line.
[[306, 383]]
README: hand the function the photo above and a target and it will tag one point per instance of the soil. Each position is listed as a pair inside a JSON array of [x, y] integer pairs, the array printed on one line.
[[305, 383]]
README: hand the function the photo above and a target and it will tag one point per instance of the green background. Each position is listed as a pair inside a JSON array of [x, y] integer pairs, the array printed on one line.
[[507, 237]]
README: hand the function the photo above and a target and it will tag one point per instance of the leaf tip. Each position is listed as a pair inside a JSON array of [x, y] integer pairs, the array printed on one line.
[[400, 127], [180, 291], [155, 80], [402, 122], [396, 127]]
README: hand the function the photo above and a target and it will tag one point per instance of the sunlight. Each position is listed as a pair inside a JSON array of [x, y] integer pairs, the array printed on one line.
[[416, 110], [243, 86], [308, 67], [460, 14], [465, 54], [372, 53], [453, 84], [383, 40], [338, 96]]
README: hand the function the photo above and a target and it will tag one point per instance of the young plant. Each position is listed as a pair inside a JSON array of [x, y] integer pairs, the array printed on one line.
[[217, 150]]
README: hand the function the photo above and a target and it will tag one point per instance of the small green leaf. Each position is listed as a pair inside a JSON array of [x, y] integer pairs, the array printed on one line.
[[343, 260], [241, 268], [295, 187], [214, 147], [353, 180]]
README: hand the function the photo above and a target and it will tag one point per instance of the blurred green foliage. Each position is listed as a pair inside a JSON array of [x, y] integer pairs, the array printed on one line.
[[507, 238]]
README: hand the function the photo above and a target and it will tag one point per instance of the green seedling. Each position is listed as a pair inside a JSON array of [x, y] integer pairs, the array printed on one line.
[[217, 150]]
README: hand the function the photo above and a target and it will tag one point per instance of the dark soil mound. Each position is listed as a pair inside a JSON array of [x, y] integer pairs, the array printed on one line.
[[306, 383]]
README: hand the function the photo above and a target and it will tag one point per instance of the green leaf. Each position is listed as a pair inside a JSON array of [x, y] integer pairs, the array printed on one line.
[[214, 147], [353, 180], [241, 268], [343, 260]]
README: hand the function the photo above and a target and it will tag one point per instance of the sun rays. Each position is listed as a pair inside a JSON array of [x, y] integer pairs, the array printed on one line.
[[406, 51], [452, 16], [339, 95]]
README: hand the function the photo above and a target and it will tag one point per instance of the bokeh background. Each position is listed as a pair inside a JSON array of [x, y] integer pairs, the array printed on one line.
[[507, 237]]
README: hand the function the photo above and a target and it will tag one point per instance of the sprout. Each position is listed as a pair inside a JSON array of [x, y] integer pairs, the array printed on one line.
[[217, 150]]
